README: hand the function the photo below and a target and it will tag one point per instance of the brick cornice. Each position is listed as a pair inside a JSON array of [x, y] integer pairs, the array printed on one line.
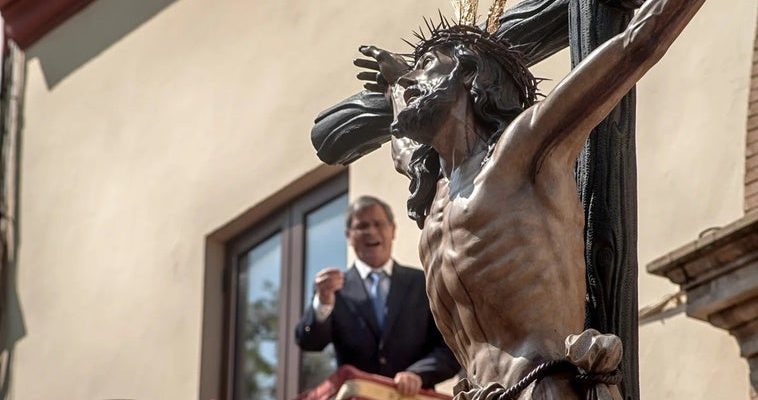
[[26, 21], [710, 253], [719, 273]]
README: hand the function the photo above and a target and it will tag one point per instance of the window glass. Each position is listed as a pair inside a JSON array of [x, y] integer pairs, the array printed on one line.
[[260, 271], [271, 271], [325, 246], [325, 242]]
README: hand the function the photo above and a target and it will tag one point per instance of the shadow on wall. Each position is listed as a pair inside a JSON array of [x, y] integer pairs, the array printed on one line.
[[89, 33], [12, 326]]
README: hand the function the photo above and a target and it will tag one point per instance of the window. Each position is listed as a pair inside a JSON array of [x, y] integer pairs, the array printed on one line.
[[272, 267]]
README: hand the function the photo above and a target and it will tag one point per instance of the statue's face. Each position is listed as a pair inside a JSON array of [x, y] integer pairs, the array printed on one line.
[[428, 92]]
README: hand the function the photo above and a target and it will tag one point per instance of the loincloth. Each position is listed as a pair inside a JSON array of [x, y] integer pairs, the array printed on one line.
[[591, 362]]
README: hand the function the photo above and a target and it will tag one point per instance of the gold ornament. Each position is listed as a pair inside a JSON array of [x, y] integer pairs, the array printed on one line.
[[465, 13], [496, 10]]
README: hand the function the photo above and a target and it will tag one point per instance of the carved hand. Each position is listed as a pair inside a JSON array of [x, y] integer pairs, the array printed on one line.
[[385, 68]]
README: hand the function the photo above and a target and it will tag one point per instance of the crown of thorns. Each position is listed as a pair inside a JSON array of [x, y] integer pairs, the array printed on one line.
[[445, 34]]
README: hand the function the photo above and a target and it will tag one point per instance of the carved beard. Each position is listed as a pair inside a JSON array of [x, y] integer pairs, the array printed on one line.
[[422, 118]]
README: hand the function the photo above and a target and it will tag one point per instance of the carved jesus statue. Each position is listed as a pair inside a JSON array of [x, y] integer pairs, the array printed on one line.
[[493, 186]]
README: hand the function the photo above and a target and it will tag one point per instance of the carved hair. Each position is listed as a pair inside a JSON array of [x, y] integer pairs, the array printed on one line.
[[502, 88]]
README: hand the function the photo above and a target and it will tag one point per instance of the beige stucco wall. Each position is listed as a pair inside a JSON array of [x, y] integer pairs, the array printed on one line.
[[184, 123], [692, 116]]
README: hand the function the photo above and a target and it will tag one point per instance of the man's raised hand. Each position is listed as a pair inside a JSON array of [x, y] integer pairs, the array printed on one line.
[[328, 281]]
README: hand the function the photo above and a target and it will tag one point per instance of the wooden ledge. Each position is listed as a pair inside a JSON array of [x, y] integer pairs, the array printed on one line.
[[719, 273], [715, 253]]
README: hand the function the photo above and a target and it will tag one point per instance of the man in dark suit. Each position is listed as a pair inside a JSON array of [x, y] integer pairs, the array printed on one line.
[[377, 313]]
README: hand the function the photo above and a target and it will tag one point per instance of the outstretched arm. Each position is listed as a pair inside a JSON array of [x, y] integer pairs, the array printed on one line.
[[559, 126]]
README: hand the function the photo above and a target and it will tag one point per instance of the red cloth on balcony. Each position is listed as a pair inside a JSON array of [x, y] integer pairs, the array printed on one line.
[[360, 380]]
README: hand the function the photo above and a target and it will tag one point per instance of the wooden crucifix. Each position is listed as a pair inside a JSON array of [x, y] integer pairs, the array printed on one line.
[[517, 263]]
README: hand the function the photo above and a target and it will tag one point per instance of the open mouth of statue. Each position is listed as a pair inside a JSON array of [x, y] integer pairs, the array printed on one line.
[[411, 94]]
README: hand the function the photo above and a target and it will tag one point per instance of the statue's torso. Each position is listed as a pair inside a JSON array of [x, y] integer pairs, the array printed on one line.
[[504, 265]]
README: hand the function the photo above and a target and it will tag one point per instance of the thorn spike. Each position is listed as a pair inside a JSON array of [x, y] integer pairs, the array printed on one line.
[[428, 24]]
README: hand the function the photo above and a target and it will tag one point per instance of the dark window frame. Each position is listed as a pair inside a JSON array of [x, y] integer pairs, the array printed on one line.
[[289, 220]]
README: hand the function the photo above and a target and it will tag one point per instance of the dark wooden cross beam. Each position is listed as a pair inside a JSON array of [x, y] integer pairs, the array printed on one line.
[[607, 181]]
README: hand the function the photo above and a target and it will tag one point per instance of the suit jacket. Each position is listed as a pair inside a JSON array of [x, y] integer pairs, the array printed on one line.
[[410, 340]]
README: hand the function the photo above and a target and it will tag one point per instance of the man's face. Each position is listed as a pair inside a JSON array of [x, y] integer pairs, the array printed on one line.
[[429, 90], [371, 234]]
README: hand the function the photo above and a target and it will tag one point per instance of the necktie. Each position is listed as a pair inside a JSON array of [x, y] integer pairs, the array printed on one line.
[[378, 294]]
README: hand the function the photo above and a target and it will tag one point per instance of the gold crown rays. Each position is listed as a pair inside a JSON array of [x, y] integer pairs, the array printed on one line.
[[465, 13]]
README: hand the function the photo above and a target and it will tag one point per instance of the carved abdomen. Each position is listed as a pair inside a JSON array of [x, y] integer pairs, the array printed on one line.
[[505, 280]]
